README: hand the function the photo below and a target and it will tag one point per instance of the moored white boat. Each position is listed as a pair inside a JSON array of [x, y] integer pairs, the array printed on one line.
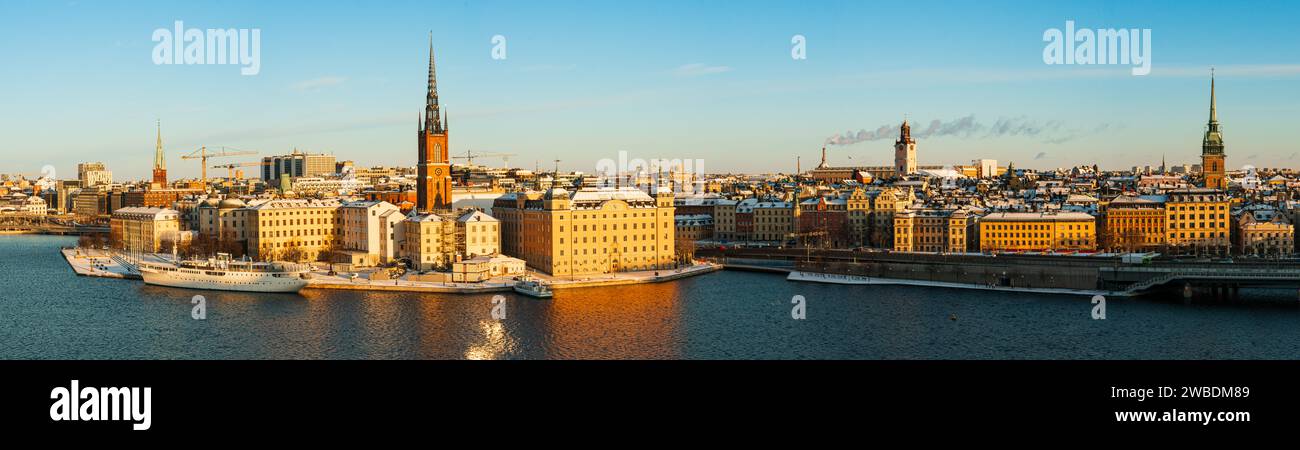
[[223, 274], [532, 287]]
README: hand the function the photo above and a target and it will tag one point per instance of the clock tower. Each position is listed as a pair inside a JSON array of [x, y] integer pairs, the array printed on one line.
[[1212, 156], [433, 189]]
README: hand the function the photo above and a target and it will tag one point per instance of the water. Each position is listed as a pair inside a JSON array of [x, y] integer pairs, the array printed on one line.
[[46, 312]]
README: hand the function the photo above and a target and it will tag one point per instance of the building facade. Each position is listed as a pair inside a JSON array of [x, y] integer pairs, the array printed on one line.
[[1198, 221], [1264, 232], [932, 230], [1037, 232], [293, 229], [368, 231], [93, 174], [143, 230], [1134, 224], [592, 231]]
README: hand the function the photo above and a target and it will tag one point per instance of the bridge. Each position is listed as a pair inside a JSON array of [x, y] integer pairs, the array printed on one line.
[[1223, 280], [1220, 280], [29, 224]]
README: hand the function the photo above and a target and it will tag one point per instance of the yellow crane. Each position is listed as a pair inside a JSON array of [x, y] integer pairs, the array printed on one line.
[[202, 155], [230, 168], [470, 155]]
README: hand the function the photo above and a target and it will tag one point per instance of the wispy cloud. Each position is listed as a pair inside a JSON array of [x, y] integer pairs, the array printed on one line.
[[973, 75], [1040, 155], [1050, 131], [699, 69], [318, 83]]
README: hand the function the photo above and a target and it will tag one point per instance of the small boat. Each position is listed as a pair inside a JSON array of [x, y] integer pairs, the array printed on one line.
[[224, 274], [532, 287]]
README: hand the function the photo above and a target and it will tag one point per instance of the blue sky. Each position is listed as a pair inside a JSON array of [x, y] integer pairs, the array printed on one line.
[[583, 80]]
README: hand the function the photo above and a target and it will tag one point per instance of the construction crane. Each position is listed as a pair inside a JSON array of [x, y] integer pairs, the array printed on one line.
[[230, 168], [470, 155], [202, 155]]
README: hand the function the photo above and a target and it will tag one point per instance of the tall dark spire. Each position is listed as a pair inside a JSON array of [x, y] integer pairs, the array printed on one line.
[[1214, 115], [432, 119], [1213, 142]]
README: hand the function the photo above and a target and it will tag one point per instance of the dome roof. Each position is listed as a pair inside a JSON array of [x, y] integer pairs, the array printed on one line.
[[232, 203]]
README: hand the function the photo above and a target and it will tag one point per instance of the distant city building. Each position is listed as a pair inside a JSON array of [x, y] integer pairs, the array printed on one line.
[[93, 174], [905, 151], [280, 170]]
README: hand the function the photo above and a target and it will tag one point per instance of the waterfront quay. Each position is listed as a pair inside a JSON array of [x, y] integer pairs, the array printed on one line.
[[1077, 273], [106, 264]]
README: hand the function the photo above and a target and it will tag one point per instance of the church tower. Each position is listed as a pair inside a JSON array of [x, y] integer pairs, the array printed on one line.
[[905, 152], [159, 162], [433, 190], [1212, 157]]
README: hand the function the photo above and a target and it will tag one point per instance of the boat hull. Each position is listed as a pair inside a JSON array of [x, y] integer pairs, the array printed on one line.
[[231, 281], [533, 293]]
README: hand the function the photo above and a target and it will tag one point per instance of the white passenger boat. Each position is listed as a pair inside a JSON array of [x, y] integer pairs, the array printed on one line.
[[224, 274], [532, 287]]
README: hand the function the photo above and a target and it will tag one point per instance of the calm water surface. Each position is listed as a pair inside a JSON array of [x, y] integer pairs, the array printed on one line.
[[48, 312]]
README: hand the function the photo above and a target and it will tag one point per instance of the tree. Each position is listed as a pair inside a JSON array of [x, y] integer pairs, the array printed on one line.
[[293, 253], [685, 249]]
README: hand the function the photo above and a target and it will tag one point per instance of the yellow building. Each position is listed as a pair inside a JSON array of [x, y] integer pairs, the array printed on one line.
[[293, 229], [1134, 223], [592, 231], [774, 221], [884, 206], [428, 241], [1045, 231], [143, 230], [1198, 221], [931, 230], [1264, 232], [858, 204]]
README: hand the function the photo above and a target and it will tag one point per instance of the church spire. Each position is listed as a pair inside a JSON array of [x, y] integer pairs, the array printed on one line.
[[159, 162], [1214, 115], [1213, 142], [433, 119]]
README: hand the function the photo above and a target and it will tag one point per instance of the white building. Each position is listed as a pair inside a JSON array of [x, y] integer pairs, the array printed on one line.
[[478, 234], [368, 232]]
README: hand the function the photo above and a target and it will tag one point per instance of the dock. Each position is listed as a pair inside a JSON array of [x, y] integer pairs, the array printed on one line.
[[105, 264]]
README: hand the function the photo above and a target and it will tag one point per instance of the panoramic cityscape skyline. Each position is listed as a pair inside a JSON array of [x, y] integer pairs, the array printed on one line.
[[583, 87]]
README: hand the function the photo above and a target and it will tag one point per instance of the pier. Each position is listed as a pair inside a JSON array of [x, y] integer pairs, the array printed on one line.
[[1082, 274]]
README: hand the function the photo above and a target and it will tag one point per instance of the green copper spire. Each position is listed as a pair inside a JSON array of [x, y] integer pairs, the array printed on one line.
[[1213, 143]]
